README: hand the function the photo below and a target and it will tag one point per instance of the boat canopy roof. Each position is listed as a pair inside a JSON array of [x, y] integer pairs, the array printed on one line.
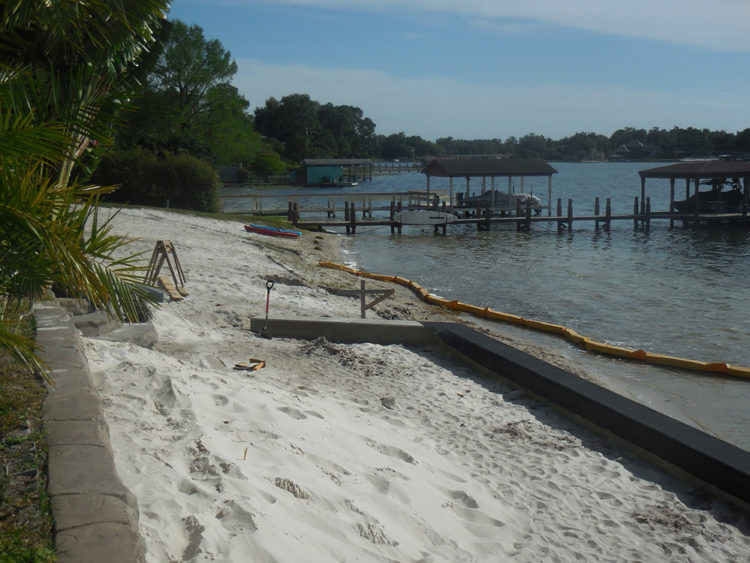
[[481, 167], [337, 162], [701, 169]]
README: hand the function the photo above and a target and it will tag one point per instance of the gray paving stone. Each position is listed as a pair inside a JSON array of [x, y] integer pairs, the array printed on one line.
[[66, 357], [106, 542], [70, 379], [77, 433], [74, 404], [76, 469], [74, 511]]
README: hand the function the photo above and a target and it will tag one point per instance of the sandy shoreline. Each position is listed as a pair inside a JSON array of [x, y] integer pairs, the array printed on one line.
[[358, 452]]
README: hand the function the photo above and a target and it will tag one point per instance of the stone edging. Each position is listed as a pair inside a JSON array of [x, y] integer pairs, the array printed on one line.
[[95, 515]]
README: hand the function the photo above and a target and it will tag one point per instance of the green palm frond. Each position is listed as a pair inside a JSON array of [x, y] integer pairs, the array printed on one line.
[[66, 68]]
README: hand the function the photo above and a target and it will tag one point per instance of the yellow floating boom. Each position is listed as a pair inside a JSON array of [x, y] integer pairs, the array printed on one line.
[[570, 335]]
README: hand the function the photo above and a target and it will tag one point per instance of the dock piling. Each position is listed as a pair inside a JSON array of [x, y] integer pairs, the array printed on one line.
[[596, 213], [528, 217], [295, 213], [570, 215], [608, 212]]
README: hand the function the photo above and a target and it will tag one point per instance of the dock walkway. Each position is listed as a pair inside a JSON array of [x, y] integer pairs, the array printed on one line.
[[522, 219], [341, 210]]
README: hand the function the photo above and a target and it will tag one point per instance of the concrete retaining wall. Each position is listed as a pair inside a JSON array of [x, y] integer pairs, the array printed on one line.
[[377, 331], [699, 455], [678, 447]]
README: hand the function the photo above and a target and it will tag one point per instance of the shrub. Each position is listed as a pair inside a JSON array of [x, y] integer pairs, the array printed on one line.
[[180, 181]]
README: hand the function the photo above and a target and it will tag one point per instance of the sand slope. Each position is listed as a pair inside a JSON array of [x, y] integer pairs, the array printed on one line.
[[359, 452]]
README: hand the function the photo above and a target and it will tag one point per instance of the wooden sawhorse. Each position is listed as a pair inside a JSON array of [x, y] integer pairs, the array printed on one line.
[[162, 252]]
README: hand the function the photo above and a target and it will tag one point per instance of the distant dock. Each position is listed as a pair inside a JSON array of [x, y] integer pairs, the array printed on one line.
[[713, 207], [521, 218]]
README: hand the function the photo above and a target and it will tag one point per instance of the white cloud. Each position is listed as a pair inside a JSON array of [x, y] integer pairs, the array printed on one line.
[[715, 24], [439, 107]]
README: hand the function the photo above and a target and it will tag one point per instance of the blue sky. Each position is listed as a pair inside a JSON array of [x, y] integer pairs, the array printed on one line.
[[494, 68]]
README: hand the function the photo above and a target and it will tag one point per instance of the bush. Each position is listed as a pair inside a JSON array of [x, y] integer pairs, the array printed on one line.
[[180, 181]]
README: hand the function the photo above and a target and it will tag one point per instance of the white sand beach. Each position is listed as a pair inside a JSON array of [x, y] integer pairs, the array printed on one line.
[[358, 452]]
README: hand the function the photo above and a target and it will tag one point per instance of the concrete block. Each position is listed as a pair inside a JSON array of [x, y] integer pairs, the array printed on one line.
[[96, 323], [140, 334], [77, 433], [73, 404], [108, 542], [85, 470], [377, 331], [73, 511]]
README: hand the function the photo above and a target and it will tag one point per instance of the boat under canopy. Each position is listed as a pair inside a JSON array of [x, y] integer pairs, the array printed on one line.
[[717, 173], [492, 168]]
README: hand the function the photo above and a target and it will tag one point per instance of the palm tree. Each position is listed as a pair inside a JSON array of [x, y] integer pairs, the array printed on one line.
[[66, 69]]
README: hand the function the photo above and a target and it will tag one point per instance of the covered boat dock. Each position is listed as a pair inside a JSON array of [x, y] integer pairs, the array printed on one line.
[[490, 168], [713, 172]]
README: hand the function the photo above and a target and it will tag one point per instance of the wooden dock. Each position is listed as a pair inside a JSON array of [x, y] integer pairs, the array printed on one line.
[[333, 203], [523, 219], [353, 210]]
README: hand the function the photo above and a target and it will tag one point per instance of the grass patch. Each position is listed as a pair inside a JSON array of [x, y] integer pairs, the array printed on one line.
[[25, 517]]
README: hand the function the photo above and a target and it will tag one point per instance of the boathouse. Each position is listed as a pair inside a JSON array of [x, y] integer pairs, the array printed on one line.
[[490, 168], [332, 171], [712, 172]]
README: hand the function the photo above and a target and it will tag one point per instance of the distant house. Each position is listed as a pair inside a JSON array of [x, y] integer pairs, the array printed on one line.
[[632, 150], [332, 171]]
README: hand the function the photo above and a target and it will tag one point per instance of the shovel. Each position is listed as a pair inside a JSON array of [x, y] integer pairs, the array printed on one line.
[[265, 332]]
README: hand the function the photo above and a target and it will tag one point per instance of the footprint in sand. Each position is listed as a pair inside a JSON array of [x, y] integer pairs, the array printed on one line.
[[294, 413], [381, 484], [466, 499], [220, 400], [480, 524], [236, 519], [392, 451], [194, 531]]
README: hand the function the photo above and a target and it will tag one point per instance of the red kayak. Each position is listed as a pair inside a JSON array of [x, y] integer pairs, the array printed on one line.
[[272, 231]]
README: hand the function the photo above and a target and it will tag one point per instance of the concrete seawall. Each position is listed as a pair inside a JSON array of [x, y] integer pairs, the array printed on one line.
[[681, 449]]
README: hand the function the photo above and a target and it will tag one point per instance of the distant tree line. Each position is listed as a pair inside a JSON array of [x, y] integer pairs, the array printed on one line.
[[302, 128], [188, 107], [626, 143]]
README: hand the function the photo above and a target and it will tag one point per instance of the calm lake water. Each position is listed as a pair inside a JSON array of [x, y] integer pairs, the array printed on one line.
[[679, 292]]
